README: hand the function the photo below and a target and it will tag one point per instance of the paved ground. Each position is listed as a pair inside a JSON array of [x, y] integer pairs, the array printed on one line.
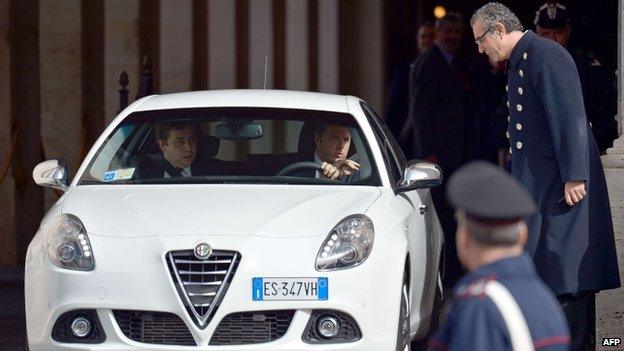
[[12, 321]]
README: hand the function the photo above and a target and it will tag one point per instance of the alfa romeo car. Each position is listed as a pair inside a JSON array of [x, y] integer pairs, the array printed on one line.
[[237, 220]]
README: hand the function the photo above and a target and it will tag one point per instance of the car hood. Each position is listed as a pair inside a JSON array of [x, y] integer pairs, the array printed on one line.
[[241, 210]]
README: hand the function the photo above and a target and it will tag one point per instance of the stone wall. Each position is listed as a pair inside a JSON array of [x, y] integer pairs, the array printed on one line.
[[610, 304], [7, 187]]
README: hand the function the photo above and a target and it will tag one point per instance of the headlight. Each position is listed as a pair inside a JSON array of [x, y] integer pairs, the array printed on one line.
[[67, 243], [347, 245]]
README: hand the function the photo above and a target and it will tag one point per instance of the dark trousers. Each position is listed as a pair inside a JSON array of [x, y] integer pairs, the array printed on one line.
[[580, 312]]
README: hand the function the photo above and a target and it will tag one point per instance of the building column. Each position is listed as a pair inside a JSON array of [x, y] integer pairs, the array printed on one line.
[[26, 114], [609, 303]]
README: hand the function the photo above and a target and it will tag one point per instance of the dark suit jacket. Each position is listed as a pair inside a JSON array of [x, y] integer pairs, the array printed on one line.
[[155, 166], [396, 110], [439, 120], [551, 144]]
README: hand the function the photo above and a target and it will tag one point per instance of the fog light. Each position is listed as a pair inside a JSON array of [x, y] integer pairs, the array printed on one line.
[[328, 327], [81, 327]]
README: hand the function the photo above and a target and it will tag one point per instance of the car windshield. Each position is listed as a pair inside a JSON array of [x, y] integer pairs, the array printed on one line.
[[232, 145]]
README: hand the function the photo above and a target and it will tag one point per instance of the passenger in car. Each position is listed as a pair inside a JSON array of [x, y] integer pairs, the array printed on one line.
[[332, 147], [178, 145]]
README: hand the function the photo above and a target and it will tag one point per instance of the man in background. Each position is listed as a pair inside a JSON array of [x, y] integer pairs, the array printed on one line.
[[552, 21], [395, 114], [439, 126]]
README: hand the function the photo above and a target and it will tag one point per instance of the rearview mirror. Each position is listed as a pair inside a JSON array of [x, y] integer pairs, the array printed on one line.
[[51, 173], [238, 130], [421, 174]]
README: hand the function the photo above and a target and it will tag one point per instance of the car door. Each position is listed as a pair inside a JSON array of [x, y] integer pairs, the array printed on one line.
[[423, 246]]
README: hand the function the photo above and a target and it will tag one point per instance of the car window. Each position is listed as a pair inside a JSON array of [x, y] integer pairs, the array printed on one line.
[[231, 145], [390, 158]]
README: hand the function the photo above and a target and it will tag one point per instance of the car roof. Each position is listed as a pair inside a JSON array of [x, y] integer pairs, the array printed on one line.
[[247, 98]]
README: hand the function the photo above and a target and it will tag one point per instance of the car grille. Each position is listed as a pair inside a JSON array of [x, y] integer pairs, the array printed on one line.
[[202, 284], [154, 327], [252, 327]]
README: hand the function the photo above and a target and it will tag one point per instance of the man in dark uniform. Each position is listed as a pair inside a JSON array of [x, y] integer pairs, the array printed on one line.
[[439, 122], [554, 155], [552, 21], [501, 304]]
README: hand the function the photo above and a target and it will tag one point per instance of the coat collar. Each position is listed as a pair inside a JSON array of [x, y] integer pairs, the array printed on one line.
[[520, 266], [520, 48]]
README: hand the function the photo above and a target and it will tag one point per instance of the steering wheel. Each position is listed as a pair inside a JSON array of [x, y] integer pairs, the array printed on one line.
[[299, 166]]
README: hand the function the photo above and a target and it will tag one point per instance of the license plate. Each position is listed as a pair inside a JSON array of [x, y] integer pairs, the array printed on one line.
[[284, 289]]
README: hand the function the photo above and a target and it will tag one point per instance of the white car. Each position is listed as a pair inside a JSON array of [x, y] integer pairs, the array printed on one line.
[[254, 250]]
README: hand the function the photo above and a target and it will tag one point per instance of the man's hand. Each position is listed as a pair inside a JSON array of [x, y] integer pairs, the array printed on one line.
[[347, 167], [503, 157], [339, 168], [574, 192], [329, 171]]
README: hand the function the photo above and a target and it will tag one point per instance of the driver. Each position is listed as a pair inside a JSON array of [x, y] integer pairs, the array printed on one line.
[[332, 146]]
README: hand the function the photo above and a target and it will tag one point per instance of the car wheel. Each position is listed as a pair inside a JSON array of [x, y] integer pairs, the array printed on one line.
[[436, 312], [403, 330], [436, 315]]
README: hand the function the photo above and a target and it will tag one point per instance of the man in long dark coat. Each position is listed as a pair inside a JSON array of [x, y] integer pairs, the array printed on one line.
[[554, 155], [439, 122]]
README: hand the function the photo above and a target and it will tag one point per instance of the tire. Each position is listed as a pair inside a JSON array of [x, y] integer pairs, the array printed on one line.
[[403, 329], [436, 311]]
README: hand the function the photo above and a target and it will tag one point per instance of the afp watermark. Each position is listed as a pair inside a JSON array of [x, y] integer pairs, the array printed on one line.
[[611, 342]]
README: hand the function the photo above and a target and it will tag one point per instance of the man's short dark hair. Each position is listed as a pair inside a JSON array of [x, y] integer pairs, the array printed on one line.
[[320, 128], [450, 18], [162, 129], [493, 13]]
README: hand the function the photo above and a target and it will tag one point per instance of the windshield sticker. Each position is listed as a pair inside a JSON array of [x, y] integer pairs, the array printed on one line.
[[120, 174]]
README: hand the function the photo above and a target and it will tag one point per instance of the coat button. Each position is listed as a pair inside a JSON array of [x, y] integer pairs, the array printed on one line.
[[508, 119], [521, 73], [518, 126], [506, 88], [524, 56], [510, 151], [520, 91], [519, 145], [507, 134], [507, 103], [519, 108]]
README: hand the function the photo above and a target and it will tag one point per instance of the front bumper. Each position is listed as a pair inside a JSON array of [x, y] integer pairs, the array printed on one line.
[[131, 274]]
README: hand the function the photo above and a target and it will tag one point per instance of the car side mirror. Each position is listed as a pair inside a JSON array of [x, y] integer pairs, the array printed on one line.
[[51, 173], [420, 175]]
